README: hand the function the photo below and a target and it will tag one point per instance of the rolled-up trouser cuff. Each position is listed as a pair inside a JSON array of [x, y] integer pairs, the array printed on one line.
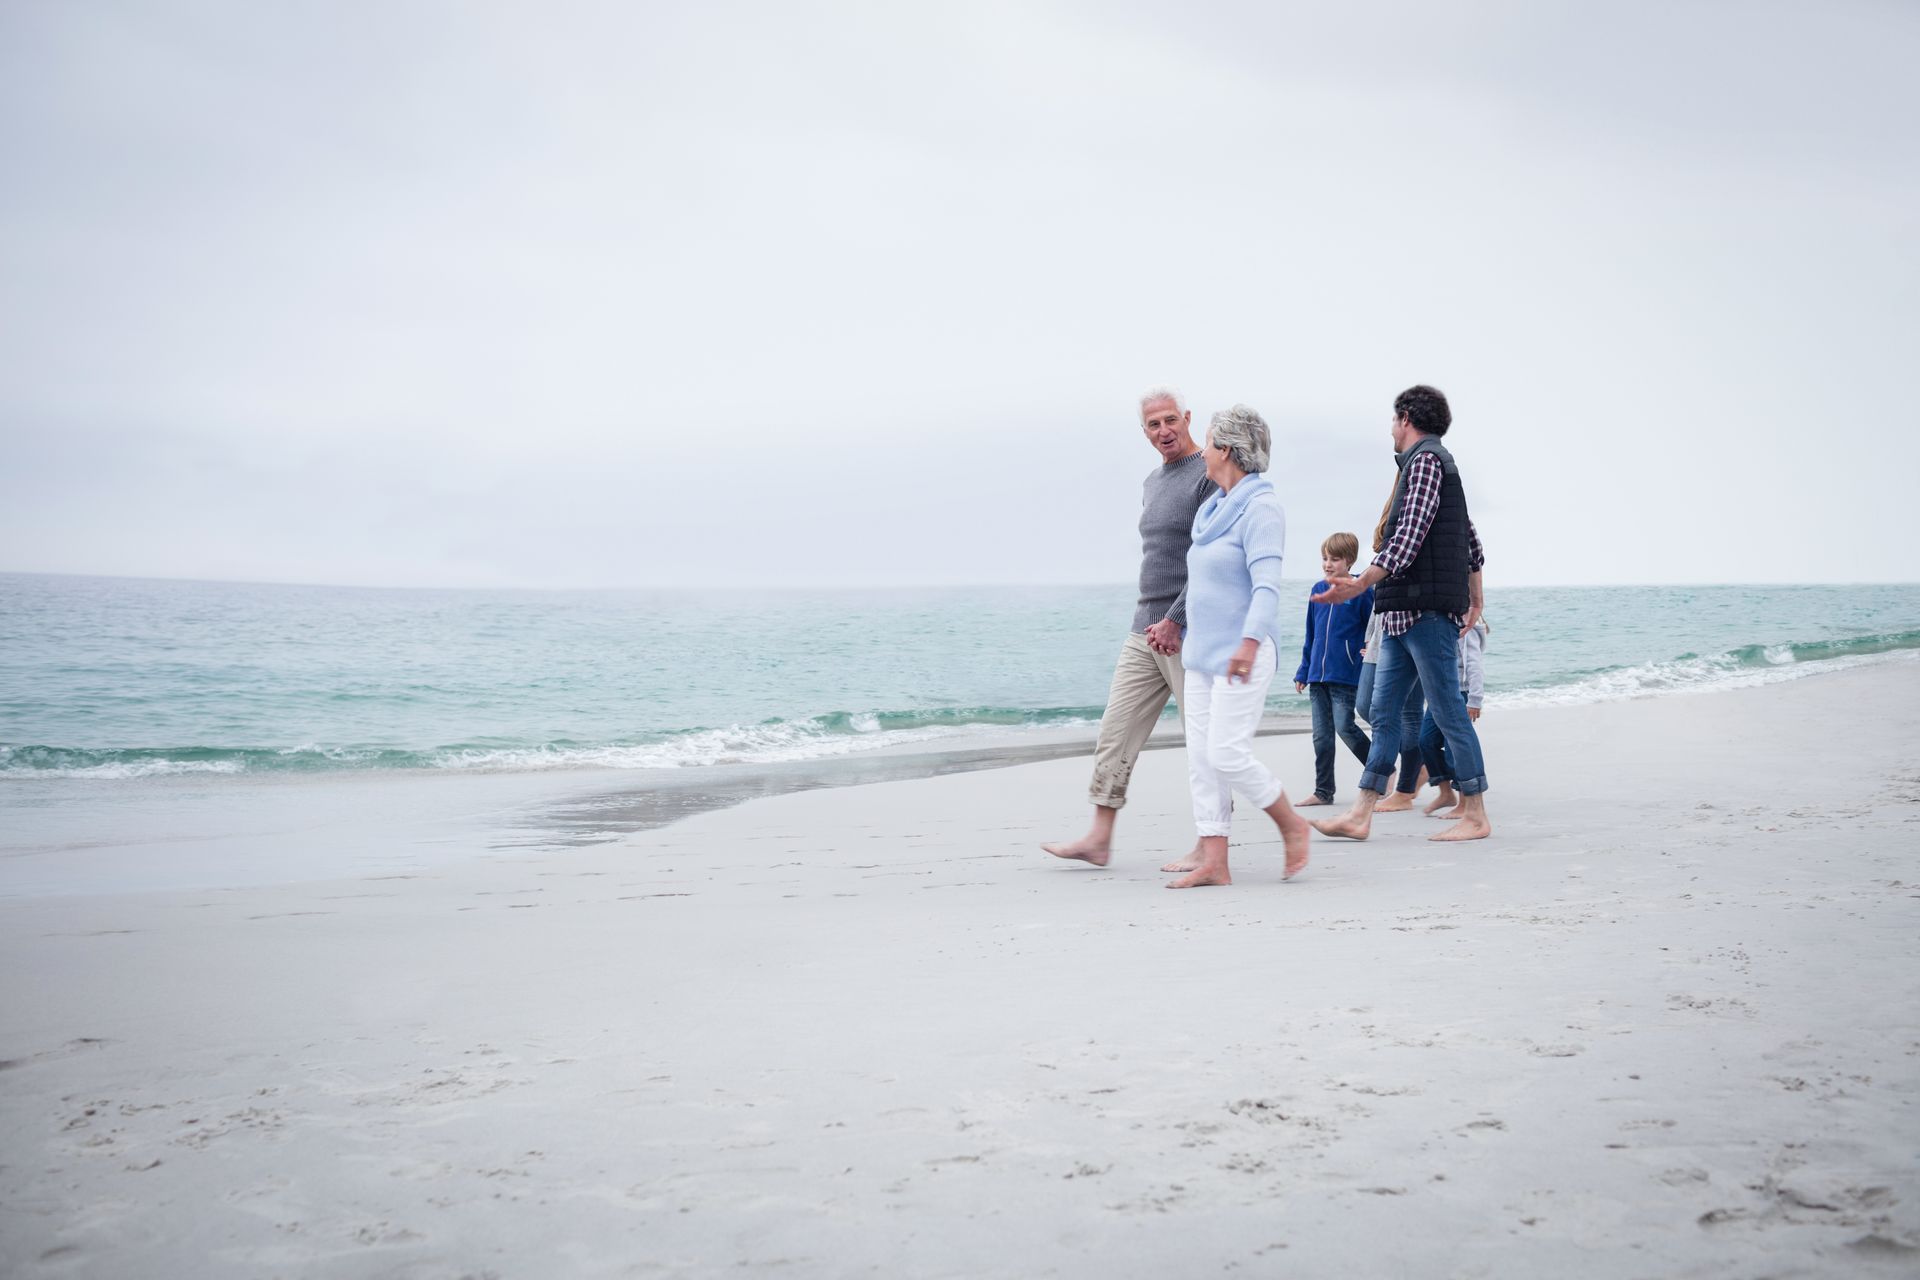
[[1108, 799], [1220, 829], [1470, 786], [1380, 782]]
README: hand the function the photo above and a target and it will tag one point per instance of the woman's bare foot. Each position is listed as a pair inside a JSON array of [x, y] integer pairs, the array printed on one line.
[[1454, 814], [1083, 850], [1188, 863], [1445, 800], [1295, 834], [1203, 875], [1473, 824], [1210, 865], [1297, 843], [1312, 800], [1398, 802]]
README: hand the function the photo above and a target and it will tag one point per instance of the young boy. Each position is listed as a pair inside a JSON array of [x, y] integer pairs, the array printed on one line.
[[1330, 665]]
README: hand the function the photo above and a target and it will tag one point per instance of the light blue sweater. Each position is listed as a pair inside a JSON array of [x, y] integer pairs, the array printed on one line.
[[1233, 574]]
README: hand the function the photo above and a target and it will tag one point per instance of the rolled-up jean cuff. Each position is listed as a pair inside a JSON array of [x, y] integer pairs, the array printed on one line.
[[1209, 829], [1470, 786], [1108, 799], [1380, 782]]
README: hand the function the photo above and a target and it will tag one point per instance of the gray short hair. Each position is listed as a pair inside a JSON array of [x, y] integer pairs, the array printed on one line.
[[1243, 433], [1151, 394]]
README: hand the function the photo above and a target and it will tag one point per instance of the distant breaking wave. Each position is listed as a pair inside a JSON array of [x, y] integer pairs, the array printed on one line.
[[838, 733], [844, 733], [1740, 668]]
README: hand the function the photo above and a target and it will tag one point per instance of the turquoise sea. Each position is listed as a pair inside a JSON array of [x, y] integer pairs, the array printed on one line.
[[105, 679]]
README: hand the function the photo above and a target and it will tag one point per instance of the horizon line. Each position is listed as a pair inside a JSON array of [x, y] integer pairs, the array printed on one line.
[[866, 586]]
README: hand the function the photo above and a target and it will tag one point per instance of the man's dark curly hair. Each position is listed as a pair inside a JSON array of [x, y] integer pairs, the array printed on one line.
[[1426, 408]]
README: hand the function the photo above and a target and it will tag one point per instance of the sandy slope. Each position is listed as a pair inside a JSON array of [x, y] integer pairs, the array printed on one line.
[[1666, 1023]]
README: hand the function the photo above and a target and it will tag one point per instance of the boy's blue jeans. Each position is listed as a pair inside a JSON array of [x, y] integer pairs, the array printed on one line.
[[1333, 715], [1429, 652]]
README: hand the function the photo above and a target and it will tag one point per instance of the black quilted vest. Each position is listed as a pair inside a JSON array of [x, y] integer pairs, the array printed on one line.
[[1437, 578]]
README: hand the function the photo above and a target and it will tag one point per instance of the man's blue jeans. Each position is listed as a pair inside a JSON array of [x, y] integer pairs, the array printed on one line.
[[1433, 750], [1429, 652], [1410, 759], [1333, 716]]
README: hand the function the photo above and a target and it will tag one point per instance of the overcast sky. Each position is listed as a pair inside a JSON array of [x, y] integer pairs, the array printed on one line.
[[575, 294]]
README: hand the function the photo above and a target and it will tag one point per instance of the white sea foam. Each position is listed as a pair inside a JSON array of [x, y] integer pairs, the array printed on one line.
[[749, 744], [1713, 674], [118, 770]]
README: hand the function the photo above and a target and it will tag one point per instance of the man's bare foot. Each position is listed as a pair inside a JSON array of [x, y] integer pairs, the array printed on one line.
[[1203, 875], [1080, 851], [1473, 824], [1454, 814], [1446, 799], [1398, 802], [1312, 800], [1189, 863], [1346, 826]]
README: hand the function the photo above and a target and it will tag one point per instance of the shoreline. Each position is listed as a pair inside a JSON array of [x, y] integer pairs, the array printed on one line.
[[874, 1028], [398, 819]]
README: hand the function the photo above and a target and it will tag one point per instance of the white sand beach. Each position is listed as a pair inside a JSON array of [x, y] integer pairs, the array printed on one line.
[[1665, 1023]]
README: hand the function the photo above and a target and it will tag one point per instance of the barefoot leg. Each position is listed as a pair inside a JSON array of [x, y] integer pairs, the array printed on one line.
[[1398, 802], [1212, 868], [1355, 824], [1312, 801], [1445, 800], [1095, 847], [1295, 834], [1473, 824]]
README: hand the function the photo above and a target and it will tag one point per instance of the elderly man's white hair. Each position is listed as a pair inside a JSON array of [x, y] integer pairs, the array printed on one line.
[[1243, 433], [1152, 394]]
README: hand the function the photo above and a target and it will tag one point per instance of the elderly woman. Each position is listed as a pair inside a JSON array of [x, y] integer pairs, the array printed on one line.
[[1233, 616]]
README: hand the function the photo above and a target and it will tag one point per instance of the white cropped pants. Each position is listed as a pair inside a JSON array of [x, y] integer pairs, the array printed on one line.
[[1221, 719]]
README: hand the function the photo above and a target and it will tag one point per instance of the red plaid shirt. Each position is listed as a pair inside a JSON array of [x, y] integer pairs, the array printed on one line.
[[1417, 509]]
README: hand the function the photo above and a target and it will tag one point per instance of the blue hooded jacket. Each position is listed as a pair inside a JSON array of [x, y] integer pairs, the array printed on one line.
[[1335, 635]]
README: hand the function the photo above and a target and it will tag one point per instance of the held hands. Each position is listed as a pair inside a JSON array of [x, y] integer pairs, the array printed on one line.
[[1468, 619], [1240, 665], [1164, 637]]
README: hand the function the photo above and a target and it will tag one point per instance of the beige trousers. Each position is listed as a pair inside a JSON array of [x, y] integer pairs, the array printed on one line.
[[1142, 682]]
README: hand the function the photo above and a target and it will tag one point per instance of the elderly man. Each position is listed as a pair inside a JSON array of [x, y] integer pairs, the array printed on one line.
[[1426, 581], [1148, 673]]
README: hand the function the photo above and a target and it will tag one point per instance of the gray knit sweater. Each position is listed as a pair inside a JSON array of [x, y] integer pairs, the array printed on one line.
[[1169, 498]]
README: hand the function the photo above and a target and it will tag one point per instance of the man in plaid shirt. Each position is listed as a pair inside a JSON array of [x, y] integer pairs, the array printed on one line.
[[1426, 581]]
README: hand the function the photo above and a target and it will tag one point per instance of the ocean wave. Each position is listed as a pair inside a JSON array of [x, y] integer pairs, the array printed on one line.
[[1741, 668], [772, 742], [845, 733]]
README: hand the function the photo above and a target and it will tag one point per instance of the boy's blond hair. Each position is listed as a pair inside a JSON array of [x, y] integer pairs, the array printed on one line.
[[1341, 546]]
